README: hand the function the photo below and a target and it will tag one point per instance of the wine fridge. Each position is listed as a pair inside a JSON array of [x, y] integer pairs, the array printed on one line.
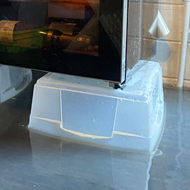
[[76, 37]]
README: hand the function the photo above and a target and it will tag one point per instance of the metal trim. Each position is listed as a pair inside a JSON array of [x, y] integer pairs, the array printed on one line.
[[124, 40]]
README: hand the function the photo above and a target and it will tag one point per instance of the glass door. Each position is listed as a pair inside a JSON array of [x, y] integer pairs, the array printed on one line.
[[77, 37]]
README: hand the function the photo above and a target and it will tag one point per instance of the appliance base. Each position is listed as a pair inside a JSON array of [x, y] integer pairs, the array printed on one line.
[[89, 111]]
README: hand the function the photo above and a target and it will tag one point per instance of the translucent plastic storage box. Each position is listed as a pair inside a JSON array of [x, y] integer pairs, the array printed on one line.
[[88, 110]]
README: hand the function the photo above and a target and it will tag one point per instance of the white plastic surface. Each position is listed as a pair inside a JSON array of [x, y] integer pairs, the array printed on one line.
[[88, 110], [12, 81]]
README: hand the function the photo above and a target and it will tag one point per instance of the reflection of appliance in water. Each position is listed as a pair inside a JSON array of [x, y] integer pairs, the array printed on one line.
[[86, 166]]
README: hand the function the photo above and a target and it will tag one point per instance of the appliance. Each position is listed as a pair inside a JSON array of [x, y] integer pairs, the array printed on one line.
[[76, 37]]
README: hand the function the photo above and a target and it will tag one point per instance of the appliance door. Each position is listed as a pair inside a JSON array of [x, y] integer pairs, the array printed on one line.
[[76, 37]]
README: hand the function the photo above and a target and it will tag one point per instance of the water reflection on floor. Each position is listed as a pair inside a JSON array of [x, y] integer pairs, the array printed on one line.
[[84, 167], [33, 161], [171, 170]]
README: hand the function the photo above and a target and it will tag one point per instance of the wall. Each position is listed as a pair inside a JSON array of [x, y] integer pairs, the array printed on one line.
[[166, 50]]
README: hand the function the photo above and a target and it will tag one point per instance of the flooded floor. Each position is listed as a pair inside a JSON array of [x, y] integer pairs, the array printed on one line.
[[32, 161]]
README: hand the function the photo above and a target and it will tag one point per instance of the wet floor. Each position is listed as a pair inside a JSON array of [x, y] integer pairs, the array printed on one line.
[[32, 161]]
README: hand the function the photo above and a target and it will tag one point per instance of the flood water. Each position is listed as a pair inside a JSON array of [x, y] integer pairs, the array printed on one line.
[[32, 161]]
